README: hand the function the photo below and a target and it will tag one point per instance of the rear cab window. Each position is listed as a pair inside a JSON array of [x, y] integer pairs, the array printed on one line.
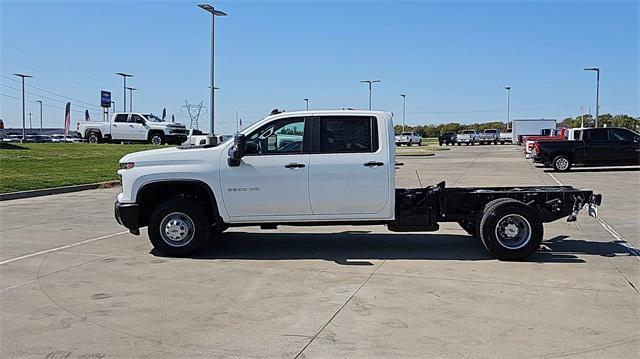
[[348, 134]]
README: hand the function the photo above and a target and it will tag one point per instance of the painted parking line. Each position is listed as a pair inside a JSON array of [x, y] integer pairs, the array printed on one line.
[[7, 261]]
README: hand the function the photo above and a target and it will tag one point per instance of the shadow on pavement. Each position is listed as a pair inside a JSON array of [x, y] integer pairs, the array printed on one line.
[[356, 248], [11, 146], [615, 169]]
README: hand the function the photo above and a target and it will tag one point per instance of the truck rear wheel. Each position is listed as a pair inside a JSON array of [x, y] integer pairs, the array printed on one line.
[[93, 138], [561, 163], [178, 228], [510, 229]]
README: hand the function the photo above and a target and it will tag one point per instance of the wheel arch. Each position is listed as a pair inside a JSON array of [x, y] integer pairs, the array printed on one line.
[[151, 194]]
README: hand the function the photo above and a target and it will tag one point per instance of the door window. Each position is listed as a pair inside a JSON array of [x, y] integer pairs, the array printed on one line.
[[137, 119], [121, 117], [598, 135], [620, 135], [348, 134], [284, 136]]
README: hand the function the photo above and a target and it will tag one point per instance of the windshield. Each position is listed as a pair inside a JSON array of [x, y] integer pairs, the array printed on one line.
[[153, 118], [468, 132], [407, 133], [490, 131]]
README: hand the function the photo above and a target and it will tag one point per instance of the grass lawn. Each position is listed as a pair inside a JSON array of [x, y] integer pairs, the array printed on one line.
[[45, 165]]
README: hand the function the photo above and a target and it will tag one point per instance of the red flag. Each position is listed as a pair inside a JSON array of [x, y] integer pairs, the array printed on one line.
[[67, 118]]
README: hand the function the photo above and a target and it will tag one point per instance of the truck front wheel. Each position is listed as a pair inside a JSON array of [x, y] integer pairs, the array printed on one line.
[[511, 230], [561, 163], [178, 228], [156, 138]]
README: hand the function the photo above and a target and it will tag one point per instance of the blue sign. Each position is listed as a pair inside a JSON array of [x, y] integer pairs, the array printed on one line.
[[105, 98]]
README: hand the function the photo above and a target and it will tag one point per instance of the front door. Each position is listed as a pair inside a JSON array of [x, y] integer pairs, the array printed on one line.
[[137, 127], [272, 179], [349, 171], [627, 145]]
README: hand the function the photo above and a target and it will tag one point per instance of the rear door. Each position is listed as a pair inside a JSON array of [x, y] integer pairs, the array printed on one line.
[[120, 127], [349, 171], [597, 148]]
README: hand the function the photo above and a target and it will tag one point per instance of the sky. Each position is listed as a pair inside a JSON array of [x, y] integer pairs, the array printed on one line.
[[451, 59]]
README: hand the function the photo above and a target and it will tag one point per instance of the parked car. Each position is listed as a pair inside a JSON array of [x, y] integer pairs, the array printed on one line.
[[38, 139], [598, 147], [558, 134], [131, 126], [448, 138], [187, 196], [2, 130], [469, 137], [506, 136], [489, 136], [408, 138], [12, 138], [57, 138]]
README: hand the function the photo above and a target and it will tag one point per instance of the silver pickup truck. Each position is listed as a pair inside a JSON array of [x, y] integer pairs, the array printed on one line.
[[489, 136]]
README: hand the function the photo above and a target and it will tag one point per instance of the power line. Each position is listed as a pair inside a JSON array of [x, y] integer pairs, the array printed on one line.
[[42, 96], [46, 104], [53, 93]]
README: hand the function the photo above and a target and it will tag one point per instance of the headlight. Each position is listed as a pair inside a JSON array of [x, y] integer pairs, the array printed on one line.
[[126, 165]]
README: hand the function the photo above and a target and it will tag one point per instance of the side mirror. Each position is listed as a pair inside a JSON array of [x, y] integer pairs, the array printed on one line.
[[238, 150]]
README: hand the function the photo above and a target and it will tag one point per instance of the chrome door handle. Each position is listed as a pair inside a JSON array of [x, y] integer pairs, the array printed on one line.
[[294, 165], [373, 164]]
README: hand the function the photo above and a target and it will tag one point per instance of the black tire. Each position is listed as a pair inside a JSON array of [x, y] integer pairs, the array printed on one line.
[[156, 138], [510, 229], [469, 227], [440, 142], [561, 163], [189, 221], [94, 137]]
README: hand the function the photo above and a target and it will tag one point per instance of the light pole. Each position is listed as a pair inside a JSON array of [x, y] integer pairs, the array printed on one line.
[[597, 70], [307, 102], [40, 102], [508, 88], [24, 120], [131, 89], [214, 13], [124, 89], [30, 114], [404, 109], [370, 82]]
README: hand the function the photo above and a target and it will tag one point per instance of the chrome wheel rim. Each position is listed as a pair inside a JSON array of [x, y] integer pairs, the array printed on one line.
[[513, 231], [93, 139], [156, 140], [177, 229], [562, 163]]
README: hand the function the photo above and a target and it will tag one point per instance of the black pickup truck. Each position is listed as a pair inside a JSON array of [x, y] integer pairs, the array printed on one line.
[[598, 147], [448, 138]]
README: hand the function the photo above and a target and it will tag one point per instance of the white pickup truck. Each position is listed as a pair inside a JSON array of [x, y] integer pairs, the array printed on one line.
[[320, 168], [469, 137], [408, 138], [129, 126]]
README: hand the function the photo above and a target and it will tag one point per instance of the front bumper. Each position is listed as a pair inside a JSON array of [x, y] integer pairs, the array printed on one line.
[[128, 215], [176, 139]]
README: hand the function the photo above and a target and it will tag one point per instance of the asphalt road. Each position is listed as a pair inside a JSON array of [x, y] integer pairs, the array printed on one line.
[[74, 284]]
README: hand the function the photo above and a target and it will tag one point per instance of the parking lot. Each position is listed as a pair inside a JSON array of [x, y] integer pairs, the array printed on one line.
[[75, 284]]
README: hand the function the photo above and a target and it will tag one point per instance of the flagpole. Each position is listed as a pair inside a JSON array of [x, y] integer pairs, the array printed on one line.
[[237, 123]]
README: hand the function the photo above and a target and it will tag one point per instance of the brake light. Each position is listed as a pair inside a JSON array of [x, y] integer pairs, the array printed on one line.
[[537, 147]]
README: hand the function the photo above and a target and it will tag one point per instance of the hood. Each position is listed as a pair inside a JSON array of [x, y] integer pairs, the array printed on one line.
[[173, 155]]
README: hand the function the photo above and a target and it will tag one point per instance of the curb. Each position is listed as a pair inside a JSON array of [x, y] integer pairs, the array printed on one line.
[[57, 190]]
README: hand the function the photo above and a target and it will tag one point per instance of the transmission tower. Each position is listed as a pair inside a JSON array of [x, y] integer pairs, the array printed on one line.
[[194, 113]]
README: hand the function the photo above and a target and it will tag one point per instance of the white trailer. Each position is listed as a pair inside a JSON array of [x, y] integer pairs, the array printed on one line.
[[530, 127]]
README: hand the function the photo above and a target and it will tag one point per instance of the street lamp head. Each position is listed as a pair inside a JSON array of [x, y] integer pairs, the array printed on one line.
[[131, 88], [305, 99], [592, 69], [508, 88], [123, 74], [211, 9], [39, 101], [403, 95], [23, 75]]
